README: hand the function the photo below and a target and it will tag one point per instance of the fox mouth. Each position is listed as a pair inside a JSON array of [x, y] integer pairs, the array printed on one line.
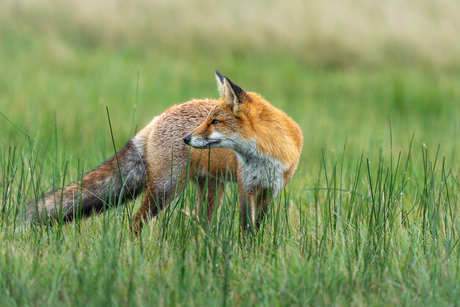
[[204, 144], [200, 143]]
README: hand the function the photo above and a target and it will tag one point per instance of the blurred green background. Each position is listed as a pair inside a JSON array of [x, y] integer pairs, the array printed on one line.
[[337, 67], [368, 73]]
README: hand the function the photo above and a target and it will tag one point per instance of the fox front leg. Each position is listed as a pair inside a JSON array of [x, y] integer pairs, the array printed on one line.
[[248, 214], [262, 207]]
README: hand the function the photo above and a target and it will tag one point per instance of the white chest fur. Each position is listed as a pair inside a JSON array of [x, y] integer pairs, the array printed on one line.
[[257, 170], [260, 170]]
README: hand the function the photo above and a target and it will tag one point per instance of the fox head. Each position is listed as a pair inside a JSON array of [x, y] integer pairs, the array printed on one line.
[[231, 123]]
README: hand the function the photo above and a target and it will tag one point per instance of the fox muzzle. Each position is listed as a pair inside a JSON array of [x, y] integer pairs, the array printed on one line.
[[187, 139]]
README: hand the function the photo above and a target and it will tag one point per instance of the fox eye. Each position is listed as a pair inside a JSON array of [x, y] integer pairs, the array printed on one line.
[[215, 122]]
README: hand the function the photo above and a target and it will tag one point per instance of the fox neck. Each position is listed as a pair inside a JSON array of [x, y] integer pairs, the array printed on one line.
[[258, 170]]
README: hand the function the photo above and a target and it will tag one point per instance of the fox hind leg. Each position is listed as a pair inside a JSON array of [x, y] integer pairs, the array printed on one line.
[[156, 198]]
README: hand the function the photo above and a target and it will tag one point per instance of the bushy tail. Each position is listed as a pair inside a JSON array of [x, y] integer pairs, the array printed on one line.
[[99, 187]]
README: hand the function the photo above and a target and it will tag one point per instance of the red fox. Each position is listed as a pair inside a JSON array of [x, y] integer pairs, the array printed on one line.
[[245, 137]]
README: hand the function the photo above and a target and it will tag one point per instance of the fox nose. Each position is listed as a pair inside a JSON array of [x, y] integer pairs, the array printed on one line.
[[187, 139]]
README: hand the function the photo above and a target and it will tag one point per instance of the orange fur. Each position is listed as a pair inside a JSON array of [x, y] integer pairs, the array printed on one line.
[[266, 141], [257, 145]]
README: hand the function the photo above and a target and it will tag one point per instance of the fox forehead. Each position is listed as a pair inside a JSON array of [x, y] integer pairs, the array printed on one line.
[[220, 113], [220, 109]]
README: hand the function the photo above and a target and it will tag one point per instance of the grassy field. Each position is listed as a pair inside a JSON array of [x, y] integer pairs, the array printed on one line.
[[371, 217]]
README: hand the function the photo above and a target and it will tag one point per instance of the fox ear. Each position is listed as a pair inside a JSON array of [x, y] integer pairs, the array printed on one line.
[[233, 94], [220, 82]]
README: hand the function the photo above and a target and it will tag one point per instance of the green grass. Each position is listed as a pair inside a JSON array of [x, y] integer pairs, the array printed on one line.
[[371, 218]]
